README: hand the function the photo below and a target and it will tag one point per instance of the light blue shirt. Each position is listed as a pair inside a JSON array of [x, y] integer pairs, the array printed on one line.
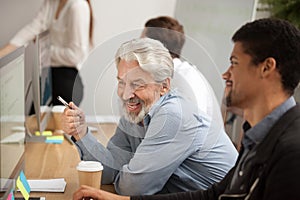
[[176, 150]]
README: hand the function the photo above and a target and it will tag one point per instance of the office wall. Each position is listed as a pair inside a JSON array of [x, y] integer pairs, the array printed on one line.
[[14, 14], [209, 26]]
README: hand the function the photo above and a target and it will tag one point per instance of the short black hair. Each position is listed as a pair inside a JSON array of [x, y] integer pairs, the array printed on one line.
[[276, 38]]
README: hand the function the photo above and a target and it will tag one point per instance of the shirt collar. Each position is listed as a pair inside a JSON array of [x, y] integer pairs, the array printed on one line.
[[157, 105], [256, 134]]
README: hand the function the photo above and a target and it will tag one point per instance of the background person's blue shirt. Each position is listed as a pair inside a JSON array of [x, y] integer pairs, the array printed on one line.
[[177, 149]]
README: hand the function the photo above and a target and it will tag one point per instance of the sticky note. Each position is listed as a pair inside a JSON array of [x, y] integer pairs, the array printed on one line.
[[11, 195], [55, 139], [44, 133], [23, 185]]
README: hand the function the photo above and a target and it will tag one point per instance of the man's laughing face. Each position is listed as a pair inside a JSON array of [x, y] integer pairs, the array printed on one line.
[[137, 90]]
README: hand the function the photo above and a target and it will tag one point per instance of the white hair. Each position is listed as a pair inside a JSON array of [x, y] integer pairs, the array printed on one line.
[[151, 55]]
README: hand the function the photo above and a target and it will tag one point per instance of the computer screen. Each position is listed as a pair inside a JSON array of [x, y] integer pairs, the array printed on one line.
[[12, 118], [42, 81]]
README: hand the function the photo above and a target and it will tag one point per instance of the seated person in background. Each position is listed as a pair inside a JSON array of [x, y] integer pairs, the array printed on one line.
[[187, 79], [162, 144], [262, 77]]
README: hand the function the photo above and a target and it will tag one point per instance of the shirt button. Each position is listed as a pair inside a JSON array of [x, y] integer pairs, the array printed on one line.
[[241, 173]]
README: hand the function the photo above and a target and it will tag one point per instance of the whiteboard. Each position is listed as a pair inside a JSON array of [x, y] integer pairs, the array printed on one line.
[[209, 26]]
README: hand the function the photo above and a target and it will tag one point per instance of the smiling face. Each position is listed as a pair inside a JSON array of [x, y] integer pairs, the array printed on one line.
[[242, 79], [137, 90]]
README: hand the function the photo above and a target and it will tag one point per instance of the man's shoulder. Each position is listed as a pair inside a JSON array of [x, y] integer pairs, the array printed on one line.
[[190, 74], [292, 115], [169, 103], [290, 122], [180, 65]]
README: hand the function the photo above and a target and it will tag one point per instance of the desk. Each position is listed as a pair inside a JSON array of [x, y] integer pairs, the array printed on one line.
[[47, 161]]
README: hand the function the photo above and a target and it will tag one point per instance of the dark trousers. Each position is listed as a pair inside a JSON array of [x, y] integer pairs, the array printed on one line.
[[66, 82]]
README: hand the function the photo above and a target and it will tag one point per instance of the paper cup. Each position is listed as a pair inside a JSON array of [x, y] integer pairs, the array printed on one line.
[[57, 112], [89, 173]]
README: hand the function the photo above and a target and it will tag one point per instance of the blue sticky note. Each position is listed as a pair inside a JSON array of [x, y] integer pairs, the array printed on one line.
[[24, 181], [23, 185], [55, 139]]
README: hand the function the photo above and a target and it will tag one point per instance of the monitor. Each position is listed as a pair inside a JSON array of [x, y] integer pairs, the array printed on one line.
[[31, 122], [42, 81], [12, 119]]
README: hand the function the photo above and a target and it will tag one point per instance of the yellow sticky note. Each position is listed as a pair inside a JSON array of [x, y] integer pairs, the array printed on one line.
[[44, 133], [23, 185], [57, 137]]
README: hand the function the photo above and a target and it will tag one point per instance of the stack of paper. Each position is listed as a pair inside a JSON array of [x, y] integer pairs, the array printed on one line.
[[48, 185]]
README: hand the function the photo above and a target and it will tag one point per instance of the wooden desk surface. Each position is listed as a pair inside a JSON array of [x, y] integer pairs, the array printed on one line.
[[47, 161]]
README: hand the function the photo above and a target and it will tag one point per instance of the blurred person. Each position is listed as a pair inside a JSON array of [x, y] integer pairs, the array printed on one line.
[[262, 77], [70, 25], [187, 78], [162, 143]]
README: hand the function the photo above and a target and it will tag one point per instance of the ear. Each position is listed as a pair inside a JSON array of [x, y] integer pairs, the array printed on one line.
[[268, 67], [165, 87]]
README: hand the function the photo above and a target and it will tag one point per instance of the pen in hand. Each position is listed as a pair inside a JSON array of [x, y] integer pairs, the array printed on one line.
[[81, 123], [63, 102], [67, 105]]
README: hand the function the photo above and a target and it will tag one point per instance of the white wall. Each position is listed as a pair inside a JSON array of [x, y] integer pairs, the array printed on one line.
[[209, 26], [116, 16], [14, 14]]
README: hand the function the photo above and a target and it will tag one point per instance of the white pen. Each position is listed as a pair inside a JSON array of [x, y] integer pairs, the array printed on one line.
[[67, 105], [63, 102]]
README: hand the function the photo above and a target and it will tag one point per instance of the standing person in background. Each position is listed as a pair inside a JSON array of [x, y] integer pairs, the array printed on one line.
[[70, 25], [261, 79]]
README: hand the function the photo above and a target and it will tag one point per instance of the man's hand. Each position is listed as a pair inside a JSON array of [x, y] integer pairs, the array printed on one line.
[[87, 193], [73, 121]]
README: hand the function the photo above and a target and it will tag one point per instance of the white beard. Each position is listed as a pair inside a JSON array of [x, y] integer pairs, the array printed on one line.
[[133, 117]]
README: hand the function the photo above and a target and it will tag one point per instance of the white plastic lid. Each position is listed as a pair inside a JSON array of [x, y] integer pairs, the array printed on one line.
[[89, 166], [45, 109], [58, 108]]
